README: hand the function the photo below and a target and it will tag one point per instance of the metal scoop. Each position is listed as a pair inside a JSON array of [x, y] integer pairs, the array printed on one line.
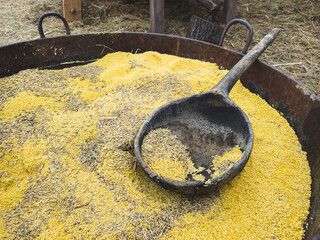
[[209, 124]]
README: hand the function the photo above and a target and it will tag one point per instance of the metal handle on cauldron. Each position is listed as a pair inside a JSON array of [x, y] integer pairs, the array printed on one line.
[[243, 22], [49, 14]]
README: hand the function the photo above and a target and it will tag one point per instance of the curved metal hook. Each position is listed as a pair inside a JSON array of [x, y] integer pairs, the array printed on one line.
[[243, 22], [49, 14]]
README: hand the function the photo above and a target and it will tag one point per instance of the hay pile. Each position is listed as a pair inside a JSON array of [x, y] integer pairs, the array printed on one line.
[[296, 51]]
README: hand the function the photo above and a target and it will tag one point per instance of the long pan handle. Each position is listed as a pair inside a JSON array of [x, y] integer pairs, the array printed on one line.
[[229, 80]]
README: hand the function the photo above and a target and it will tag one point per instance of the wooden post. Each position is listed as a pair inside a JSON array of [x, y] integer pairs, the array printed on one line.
[[157, 16], [72, 10], [228, 11]]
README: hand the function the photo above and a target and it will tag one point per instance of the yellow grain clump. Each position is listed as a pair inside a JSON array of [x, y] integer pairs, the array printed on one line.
[[226, 161], [166, 155], [64, 173]]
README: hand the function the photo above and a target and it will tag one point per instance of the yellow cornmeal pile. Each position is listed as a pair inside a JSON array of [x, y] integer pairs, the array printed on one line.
[[167, 156], [66, 175], [226, 161]]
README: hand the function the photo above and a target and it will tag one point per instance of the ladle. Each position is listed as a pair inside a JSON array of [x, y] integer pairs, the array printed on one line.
[[209, 124]]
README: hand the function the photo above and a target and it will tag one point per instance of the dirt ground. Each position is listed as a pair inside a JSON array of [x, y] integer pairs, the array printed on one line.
[[296, 51]]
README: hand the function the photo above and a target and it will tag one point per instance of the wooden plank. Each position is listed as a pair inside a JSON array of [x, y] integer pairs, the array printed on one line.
[[228, 11], [72, 10], [157, 16]]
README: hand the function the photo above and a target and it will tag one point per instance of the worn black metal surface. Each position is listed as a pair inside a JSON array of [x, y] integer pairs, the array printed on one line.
[[243, 22], [51, 14], [302, 107], [209, 124]]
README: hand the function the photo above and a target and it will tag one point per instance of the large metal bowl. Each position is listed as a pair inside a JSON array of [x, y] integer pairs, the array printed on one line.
[[300, 106]]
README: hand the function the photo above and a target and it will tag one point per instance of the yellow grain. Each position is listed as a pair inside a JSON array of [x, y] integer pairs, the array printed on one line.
[[65, 175], [165, 155], [226, 161]]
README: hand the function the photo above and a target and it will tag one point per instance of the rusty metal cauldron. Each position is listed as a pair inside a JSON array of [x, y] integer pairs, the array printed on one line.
[[299, 105]]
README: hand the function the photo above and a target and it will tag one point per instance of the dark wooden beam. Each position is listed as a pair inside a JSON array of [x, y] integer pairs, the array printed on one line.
[[157, 16], [228, 11]]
